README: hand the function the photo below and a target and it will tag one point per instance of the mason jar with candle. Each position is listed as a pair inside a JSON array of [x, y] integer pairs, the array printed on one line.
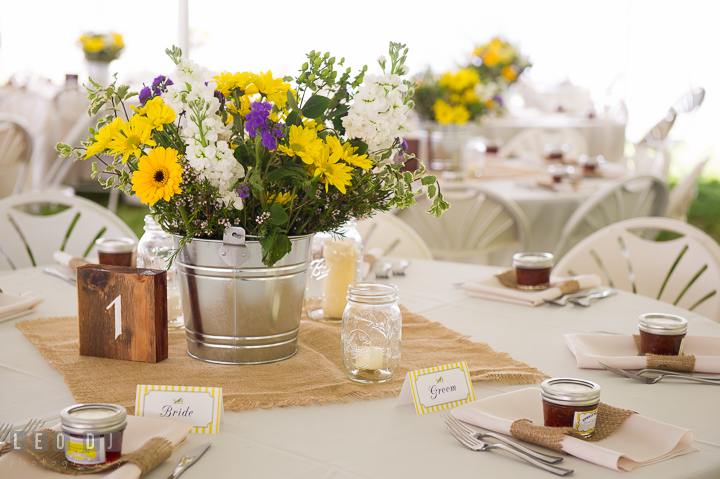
[[371, 332], [336, 264], [153, 252]]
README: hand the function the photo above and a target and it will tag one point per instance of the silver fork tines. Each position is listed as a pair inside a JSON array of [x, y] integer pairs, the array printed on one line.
[[475, 444], [5, 429], [547, 458], [399, 270], [29, 428], [384, 272]]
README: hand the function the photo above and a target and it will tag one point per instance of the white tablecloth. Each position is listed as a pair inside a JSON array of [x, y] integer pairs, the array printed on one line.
[[374, 439]]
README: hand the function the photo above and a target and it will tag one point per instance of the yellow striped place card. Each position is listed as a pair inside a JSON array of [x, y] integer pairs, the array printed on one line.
[[201, 407], [441, 387]]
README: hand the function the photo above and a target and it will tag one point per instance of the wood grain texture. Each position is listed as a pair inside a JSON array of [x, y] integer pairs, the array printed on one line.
[[143, 306]]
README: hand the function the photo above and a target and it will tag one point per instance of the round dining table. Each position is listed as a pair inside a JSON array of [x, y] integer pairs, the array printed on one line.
[[373, 438]]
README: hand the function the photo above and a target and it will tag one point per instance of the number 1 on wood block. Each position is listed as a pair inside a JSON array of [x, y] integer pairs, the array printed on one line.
[[117, 302]]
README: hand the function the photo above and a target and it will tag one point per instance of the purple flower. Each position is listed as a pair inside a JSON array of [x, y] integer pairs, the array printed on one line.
[[221, 98], [158, 80], [243, 191], [258, 121], [145, 95], [498, 99]]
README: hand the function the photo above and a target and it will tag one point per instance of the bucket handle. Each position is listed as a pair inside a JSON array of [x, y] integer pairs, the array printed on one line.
[[233, 251]]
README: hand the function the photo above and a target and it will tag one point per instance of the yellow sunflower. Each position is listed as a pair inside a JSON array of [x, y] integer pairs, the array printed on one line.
[[330, 171], [131, 136], [302, 142], [103, 137], [158, 177]]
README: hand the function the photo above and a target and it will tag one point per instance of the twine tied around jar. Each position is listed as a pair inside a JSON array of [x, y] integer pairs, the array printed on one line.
[[609, 418], [685, 364]]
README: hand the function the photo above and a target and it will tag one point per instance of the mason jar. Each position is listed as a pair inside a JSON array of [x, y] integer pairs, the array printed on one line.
[[336, 263], [153, 252], [371, 330]]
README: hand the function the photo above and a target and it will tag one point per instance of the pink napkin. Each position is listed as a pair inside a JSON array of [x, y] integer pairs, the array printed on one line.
[[639, 441], [619, 350], [18, 465], [491, 288]]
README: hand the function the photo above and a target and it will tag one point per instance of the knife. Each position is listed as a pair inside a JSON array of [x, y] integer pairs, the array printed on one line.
[[190, 458], [62, 276]]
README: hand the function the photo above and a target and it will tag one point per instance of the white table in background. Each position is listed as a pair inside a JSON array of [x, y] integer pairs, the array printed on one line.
[[374, 439]]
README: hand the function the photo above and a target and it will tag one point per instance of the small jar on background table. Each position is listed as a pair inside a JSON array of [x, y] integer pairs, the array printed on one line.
[[116, 251], [532, 270]]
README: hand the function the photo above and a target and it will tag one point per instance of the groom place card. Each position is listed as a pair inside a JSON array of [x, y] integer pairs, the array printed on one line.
[[441, 387], [200, 407]]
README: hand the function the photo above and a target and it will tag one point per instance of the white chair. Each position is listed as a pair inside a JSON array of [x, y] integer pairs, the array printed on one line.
[[16, 148], [34, 225], [532, 142], [629, 197], [393, 236], [652, 158], [687, 103], [684, 271], [681, 196], [480, 227]]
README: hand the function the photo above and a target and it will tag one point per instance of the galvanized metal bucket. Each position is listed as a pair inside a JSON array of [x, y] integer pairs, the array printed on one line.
[[237, 310]]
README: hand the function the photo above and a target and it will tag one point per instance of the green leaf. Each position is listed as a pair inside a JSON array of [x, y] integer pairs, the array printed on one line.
[[292, 118], [63, 149], [361, 146], [291, 101], [431, 190], [278, 216], [428, 180], [280, 173], [339, 112], [122, 91], [274, 247], [315, 106]]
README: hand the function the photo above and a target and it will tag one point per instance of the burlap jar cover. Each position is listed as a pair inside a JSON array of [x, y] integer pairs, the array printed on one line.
[[509, 280], [668, 363], [150, 455], [609, 418]]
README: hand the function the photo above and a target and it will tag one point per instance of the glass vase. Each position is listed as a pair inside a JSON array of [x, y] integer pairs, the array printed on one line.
[[336, 263]]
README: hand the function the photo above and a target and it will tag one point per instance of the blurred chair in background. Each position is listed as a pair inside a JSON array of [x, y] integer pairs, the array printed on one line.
[[534, 142], [682, 195], [684, 271], [16, 146], [34, 225], [392, 236], [629, 197], [480, 227]]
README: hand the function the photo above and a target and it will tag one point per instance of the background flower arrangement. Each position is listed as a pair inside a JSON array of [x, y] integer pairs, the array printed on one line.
[[101, 48], [241, 149], [498, 62]]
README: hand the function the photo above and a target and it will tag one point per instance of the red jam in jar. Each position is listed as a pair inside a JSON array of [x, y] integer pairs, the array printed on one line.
[[569, 402], [116, 251], [532, 270], [93, 433], [662, 334], [560, 172]]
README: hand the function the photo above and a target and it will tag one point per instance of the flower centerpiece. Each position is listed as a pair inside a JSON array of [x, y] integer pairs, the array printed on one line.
[[281, 158], [498, 62], [100, 50]]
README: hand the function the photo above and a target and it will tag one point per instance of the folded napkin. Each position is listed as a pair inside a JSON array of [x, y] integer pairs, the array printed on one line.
[[69, 260], [619, 350], [638, 441], [13, 305], [19, 465], [491, 288]]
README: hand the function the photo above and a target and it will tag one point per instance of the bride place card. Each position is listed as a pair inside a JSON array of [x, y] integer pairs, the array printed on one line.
[[201, 407], [441, 387]]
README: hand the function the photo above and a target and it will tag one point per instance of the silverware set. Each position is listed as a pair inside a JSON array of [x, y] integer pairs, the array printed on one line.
[[581, 299], [29, 428], [472, 440], [397, 270], [656, 375]]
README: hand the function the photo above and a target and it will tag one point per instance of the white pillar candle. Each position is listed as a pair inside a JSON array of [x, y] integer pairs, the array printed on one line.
[[340, 258], [369, 358], [173, 305]]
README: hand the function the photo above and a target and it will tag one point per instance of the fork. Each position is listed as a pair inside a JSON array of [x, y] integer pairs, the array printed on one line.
[[475, 444], [657, 378], [399, 270], [547, 458], [562, 300], [585, 302], [29, 428], [384, 272], [5, 429]]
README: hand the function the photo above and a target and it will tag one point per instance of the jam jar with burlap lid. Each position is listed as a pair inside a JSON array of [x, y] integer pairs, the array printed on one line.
[[93, 433], [662, 334], [570, 402]]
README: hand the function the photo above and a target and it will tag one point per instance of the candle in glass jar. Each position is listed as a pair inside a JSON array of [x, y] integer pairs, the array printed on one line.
[[173, 306], [340, 259], [369, 358]]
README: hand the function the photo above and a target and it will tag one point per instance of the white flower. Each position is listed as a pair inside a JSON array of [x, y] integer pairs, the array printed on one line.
[[382, 59]]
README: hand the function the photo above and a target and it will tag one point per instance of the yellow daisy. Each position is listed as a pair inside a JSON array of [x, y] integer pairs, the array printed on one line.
[[346, 153], [282, 198], [446, 113], [509, 73], [244, 106], [103, 137], [227, 82], [158, 113], [159, 176], [302, 142], [272, 88], [118, 42], [330, 171], [131, 136]]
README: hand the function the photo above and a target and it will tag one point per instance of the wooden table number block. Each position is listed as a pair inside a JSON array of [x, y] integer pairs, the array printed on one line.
[[122, 312]]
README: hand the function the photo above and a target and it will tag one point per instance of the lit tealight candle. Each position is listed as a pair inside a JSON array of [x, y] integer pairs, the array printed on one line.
[[340, 259]]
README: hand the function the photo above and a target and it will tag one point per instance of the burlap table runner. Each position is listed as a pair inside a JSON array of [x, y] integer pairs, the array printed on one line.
[[150, 455], [314, 375], [508, 279], [667, 363], [609, 418]]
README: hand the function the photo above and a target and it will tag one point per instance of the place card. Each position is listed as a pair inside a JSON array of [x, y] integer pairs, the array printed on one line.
[[201, 407], [441, 387]]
